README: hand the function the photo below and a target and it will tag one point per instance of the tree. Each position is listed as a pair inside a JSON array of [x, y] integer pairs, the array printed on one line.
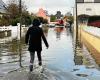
[[59, 15], [52, 18], [4, 20], [71, 18], [13, 10], [26, 18]]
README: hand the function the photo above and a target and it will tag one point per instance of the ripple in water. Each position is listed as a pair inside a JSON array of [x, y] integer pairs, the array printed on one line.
[[39, 74]]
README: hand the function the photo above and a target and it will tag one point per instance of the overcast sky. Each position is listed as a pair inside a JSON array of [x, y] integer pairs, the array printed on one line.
[[52, 6]]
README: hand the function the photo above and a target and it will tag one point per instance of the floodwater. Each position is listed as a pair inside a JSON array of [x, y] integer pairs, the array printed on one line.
[[60, 61]]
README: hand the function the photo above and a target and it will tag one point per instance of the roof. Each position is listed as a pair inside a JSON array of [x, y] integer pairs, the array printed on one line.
[[2, 7]]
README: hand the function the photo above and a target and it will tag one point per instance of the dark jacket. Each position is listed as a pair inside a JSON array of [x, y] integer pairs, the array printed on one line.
[[34, 37]]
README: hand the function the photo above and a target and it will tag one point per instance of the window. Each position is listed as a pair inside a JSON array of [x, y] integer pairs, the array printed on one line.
[[88, 9], [80, 1], [97, 1], [89, 1]]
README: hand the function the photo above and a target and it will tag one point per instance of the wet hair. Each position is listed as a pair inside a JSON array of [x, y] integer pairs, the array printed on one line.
[[36, 22]]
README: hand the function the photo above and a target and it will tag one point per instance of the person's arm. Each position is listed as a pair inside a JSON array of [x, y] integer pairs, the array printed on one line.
[[27, 36], [44, 39]]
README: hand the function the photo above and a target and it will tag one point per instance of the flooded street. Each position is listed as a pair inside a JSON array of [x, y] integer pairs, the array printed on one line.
[[59, 61]]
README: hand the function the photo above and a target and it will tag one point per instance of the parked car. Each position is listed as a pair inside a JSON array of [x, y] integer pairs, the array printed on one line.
[[51, 25]]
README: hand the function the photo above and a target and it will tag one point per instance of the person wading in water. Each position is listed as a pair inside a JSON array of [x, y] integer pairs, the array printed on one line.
[[33, 38]]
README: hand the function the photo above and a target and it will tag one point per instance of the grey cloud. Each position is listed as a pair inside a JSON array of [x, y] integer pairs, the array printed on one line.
[[49, 3]]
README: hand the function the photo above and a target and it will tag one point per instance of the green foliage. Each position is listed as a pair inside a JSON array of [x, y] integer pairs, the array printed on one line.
[[14, 15], [26, 18], [52, 18], [13, 10], [14, 21], [71, 18], [4, 21]]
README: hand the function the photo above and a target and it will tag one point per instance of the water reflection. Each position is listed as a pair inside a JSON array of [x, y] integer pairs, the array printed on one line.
[[85, 65], [82, 56], [5, 33], [9, 48], [78, 59], [58, 31], [60, 53]]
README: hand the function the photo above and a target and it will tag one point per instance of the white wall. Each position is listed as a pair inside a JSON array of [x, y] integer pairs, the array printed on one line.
[[88, 0], [88, 8]]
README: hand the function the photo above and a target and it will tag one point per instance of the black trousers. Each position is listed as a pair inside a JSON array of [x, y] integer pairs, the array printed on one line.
[[32, 56]]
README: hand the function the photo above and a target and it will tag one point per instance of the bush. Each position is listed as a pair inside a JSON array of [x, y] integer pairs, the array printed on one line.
[[4, 21], [14, 22]]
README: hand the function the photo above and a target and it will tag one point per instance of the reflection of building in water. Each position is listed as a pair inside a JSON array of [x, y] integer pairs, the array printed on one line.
[[6, 39], [83, 57], [78, 59], [58, 35], [58, 32], [5, 33]]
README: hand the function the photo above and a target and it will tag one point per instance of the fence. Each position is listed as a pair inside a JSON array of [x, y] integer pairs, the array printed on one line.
[[15, 30], [5, 28]]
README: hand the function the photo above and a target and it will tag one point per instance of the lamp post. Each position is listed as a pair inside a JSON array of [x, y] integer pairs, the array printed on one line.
[[73, 11], [20, 12]]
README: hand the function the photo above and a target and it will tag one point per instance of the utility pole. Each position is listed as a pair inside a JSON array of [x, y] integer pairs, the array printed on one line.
[[73, 8], [76, 24], [20, 12]]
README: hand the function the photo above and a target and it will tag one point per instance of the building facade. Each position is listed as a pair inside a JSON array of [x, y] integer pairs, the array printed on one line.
[[88, 7], [44, 14]]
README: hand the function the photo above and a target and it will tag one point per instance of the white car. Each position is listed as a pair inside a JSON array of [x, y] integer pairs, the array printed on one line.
[[51, 25]]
